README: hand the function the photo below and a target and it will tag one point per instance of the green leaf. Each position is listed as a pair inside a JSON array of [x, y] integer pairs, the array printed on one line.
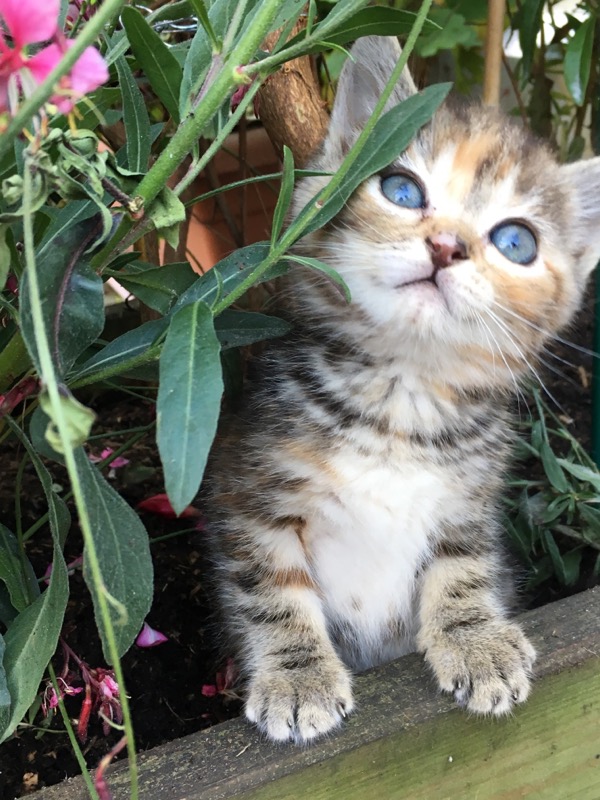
[[592, 517], [285, 193], [5, 256], [188, 403], [157, 287], [202, 15], [581, 472], [78, 417], [553, 469], [555, 556], [121, 351], [16, 573], [135, 119], [158, 63], [30, 641], [578, 60], [229, 273], [530, 17], [72, 297], [123, 554], [391, 135], [61, 220], [239, 328], [321, 266], [571, 566], [376, 21], [453, 31], [58, 513], [4, 693], [7, 611]]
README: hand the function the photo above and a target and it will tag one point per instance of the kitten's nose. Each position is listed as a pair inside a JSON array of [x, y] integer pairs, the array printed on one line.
[[445, 249]]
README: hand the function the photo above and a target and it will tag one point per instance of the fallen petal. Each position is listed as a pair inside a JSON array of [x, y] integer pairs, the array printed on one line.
[[161, 505], [149, 637]]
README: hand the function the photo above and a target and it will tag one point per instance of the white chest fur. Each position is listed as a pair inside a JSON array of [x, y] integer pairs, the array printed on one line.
[[372, 529]]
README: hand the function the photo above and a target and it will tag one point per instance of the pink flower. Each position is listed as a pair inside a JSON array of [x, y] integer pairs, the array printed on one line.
[[89, 72], [149, 637], [27, 22]]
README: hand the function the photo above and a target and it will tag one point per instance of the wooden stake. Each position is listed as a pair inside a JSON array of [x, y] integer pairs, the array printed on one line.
[[493, 52]]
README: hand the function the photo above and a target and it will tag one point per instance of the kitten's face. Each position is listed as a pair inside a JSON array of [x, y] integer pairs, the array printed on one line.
[[470, 241]]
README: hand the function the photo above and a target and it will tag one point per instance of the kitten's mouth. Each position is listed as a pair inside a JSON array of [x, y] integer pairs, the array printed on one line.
[[419, 282]]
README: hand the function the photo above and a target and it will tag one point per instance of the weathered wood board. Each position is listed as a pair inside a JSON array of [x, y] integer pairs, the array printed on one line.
[[407, 741]]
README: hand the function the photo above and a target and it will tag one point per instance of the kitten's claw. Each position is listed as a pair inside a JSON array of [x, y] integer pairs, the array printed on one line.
[[299, 705], [496, 657]]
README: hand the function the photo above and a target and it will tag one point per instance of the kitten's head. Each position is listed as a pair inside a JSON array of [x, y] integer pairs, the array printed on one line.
[[471, 248]]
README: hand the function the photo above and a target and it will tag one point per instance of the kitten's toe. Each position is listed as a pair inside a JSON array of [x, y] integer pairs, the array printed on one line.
[[299, 705], [487, 667]]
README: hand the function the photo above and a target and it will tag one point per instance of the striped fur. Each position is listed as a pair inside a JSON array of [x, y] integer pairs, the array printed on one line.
[[353, 500]]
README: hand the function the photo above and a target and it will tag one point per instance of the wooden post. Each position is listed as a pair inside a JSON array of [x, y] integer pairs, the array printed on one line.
[[493, 52]]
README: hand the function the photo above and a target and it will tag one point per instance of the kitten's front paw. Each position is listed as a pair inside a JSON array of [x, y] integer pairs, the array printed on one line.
[[486, 666], [299, 704]]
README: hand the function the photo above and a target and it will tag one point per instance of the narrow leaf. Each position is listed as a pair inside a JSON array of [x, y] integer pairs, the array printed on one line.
[[157, 287], [240, 328], [30, 641], [552, 468], [158, 63], [120, 352], [188, 401], [321, 266], [285, 193], [72, 297], [17, 575], [227, 274], [581, 472], [135, 119], [531, 21], [578, 60], [124, 557]]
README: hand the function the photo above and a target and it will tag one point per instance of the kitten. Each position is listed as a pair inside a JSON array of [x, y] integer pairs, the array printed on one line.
[[354, 500]]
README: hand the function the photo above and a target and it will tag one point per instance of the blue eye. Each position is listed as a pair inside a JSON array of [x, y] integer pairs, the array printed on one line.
[[403, 191], [515, 241]]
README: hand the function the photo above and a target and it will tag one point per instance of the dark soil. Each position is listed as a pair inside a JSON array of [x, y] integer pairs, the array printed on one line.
[[165, 682]]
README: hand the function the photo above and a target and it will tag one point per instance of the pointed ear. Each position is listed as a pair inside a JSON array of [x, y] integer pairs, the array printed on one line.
[[363, 78], [583, 179]]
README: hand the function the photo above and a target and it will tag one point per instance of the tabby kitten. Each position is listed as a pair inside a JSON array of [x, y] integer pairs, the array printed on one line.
[[354, 500]]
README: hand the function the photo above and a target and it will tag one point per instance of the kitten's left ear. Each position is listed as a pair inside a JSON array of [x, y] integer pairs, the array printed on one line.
[[363, 78], [583, 179]]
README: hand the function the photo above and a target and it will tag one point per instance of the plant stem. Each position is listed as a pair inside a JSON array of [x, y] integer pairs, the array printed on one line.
[[49, 380], [187, 134], [93, 29]]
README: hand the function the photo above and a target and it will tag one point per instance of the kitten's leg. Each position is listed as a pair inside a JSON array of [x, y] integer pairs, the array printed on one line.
[[298, 687], [475, 651]]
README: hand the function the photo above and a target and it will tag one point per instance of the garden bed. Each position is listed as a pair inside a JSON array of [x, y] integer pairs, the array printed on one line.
[[408, 741]]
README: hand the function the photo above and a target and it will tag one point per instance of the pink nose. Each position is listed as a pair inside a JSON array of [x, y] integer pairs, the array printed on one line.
[[445, 249]]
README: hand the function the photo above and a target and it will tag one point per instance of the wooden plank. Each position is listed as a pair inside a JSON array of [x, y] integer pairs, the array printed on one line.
[[407, 741]]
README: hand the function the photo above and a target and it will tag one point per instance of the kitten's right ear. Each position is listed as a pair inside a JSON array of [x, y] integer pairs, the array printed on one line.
[[363, 78]]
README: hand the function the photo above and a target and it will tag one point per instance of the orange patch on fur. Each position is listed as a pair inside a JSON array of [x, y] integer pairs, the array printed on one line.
[[294, 578]]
